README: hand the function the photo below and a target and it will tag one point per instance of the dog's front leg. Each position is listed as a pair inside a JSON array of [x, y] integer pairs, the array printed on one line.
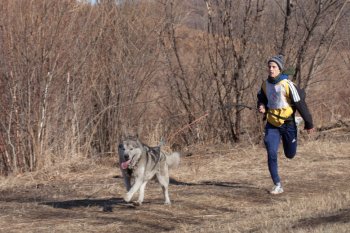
[[127, 179], [142, 193], [133, 190]]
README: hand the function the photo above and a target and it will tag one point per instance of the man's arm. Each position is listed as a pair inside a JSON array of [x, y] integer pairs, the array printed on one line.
[[262, 101], [298, 100]]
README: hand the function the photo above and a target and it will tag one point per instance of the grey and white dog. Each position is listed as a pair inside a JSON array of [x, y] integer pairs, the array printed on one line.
[[140, 163]]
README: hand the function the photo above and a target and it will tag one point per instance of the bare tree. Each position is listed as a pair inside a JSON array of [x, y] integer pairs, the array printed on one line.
[[318, 28], [232, 49], [124, 67]]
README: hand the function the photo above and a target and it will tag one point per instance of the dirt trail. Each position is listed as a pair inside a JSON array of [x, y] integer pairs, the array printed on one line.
[[213, 191]]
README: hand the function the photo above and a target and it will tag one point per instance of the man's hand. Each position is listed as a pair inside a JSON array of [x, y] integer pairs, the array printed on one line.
[[310, 130], [262, 109]]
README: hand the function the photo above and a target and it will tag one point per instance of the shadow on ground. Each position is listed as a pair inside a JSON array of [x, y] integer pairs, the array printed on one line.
[[342, 216], [105, 204], [214, 183]]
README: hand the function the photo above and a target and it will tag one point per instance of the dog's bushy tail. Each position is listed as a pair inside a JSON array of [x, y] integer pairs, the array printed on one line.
[[173, 160]]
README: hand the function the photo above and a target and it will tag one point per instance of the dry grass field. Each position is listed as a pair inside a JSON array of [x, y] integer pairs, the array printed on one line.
[[217, 189]]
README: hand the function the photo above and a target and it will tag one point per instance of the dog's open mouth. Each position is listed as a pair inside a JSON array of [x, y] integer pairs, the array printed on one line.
[[125, 164]]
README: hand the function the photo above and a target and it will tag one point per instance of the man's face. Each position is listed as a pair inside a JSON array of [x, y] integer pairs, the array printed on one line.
[[274, 70]]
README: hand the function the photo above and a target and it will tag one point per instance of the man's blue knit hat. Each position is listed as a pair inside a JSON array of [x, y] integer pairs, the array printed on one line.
[[278, 59]]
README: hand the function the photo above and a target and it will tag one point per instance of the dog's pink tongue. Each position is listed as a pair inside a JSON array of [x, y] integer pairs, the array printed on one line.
[[125, 164]]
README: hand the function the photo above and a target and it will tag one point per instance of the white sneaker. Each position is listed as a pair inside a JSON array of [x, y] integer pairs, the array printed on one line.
[[277, 189]]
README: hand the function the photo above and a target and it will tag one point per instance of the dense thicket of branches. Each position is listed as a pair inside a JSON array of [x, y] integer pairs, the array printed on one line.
[[76, 77]]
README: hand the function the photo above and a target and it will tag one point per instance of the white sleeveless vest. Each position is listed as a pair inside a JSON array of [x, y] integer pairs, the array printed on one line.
[[276, 95]]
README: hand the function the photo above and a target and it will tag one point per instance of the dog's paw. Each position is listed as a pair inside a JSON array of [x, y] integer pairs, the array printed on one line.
[[127, 198], [137, 203], [167, 203]]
